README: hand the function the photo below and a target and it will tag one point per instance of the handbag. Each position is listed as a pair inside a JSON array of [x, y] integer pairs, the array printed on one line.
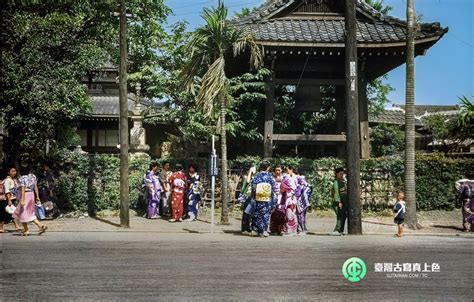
[[10, 209], [39, 211]]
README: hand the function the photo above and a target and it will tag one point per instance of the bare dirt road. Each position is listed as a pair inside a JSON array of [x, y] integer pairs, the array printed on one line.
[[141, 266]]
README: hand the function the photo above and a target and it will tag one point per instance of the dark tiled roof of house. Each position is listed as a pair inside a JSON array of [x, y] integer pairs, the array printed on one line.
[[107, 105], [422, 109], [103, 105], [373, 29], [392, 117]]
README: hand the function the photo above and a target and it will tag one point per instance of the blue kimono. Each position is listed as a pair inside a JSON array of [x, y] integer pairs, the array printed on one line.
[[263, 199], [194, 195]]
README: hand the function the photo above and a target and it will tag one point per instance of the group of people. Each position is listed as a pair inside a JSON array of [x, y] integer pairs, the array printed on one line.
[[176, 194], [22, 198], [274, 203]]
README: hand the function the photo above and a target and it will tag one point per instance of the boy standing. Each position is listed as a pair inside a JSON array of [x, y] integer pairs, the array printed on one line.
[[399, 210], [339, 193]]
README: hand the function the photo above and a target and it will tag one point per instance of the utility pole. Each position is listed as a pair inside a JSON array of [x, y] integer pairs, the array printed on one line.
[[410, 181], [353, 131], [123, 124]]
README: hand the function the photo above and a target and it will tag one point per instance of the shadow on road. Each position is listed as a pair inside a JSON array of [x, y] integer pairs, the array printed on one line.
[[105, 221], [451, 227], [379, 223], [191, 231]]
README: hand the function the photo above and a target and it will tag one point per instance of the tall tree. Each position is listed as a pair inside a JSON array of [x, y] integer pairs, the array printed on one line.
[[210, 46], [410, 184], [47, 48]]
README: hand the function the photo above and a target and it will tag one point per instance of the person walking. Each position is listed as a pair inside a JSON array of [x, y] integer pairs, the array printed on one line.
[[465, 189], [11, 190], [25, 212]]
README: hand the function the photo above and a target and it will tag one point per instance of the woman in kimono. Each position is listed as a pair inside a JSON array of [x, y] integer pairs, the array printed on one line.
[[465, 189], [303, 193], [25, 212], [288, 188], [10, 193], [178, 189], [194, 192], [153, 185], [277, 219], [263, 197], [245, 199]]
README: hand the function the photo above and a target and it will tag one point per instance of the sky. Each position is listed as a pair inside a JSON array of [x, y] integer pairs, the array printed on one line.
[[441, 76]]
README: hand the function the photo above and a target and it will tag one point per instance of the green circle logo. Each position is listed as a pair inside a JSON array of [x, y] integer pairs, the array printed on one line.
[[354, 269]]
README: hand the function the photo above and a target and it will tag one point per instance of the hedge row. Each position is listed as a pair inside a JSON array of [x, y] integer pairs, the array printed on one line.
[[91, 182]]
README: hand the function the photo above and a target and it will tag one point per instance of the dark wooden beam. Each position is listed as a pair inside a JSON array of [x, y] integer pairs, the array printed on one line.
[[316, 82], [340, 119], [309, 138], [269, 112], [363, 113]]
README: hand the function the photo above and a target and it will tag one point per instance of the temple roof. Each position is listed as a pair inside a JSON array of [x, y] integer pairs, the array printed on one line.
[[322, 22], [108, 105]]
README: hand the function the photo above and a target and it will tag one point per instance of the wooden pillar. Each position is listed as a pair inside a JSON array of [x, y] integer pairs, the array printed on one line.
[[363, 114], [340, 119], [123, 117], [269, 113], [353, 136]]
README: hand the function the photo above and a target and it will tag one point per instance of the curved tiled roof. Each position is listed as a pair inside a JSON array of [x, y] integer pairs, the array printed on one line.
[[328, 31], [373, 28]]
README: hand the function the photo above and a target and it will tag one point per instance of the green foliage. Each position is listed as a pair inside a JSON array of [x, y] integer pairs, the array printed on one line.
[[465, 121], [48, 47], [386, 140], [435, 177], [379, 6], [377, 95]]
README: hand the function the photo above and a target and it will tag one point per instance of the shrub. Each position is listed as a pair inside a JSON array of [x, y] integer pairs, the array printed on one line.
[[91, 182]]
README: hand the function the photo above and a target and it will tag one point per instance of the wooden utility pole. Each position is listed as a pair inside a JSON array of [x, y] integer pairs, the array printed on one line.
[[410, 184], [123, 124], [353, 131]]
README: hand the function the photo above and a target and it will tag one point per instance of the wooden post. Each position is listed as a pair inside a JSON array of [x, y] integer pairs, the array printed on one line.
[[269, 113], [124, 186], [340, 119], [352, 145], [363, 115]]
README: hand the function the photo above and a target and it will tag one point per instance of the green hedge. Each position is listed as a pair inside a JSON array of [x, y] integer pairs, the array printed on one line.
[[382, 177], [91, 182]]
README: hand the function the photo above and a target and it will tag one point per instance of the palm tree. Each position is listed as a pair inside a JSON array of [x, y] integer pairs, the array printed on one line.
[[209, 48], [410, 184], [466, 118]]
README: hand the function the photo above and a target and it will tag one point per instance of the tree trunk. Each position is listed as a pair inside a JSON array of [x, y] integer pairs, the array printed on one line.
[[410, 196], [224, 180]]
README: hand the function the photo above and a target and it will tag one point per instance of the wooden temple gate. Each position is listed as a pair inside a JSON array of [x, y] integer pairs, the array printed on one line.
[[304, 43]]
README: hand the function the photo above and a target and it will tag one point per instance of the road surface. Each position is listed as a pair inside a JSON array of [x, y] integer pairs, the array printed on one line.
[[141, 266]]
